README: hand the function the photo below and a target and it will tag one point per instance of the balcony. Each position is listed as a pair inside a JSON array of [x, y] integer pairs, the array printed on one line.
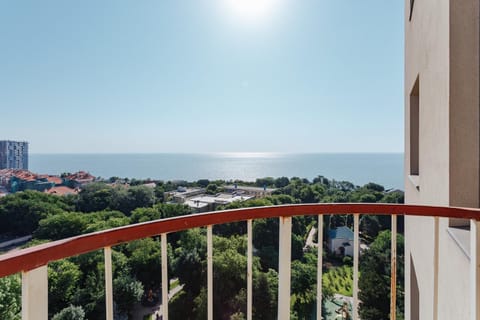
[[32, 262]]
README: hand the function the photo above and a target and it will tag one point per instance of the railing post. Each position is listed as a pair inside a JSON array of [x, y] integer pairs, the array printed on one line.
[[108, 283], [435, 267], [249, 270], [356, 253], [209, 273], [35, 294], [474, 270], [393, 269], [164, 277], [319, 266], [284, 267]]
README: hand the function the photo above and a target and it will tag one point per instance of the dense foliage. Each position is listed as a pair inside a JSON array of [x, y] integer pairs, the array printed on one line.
[[10, 304], [374, 283], [79, 281]]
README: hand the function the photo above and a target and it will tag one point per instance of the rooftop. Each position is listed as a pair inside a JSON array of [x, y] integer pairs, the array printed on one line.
[[249, 188], [341, 233], [62, 191]]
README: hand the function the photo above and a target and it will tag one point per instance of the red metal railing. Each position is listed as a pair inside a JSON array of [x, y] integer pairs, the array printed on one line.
[[36, 258]]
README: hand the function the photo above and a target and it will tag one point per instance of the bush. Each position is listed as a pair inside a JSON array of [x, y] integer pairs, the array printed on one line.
[[10, 292], [70, 313], [347, 260]]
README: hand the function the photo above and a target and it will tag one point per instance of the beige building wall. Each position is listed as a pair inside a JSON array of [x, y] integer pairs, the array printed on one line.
[[441, 68]]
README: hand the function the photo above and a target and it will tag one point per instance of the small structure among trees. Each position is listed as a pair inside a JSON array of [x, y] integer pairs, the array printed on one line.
[[340, 241]]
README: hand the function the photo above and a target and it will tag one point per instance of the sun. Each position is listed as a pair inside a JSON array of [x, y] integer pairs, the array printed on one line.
[[252, 10]]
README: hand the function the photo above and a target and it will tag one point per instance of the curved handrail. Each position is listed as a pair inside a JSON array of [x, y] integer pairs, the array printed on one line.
[[31, 258]]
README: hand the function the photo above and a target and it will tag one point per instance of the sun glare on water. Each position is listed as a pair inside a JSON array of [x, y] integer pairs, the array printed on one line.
[[248, 155]]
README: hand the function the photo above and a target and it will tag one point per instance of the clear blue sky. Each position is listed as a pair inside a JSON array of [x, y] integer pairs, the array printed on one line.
[[202, 75]]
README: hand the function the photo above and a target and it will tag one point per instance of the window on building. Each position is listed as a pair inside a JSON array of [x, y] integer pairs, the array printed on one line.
[[414, 129], [412, 2]]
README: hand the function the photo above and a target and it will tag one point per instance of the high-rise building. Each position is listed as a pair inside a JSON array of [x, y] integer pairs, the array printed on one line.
[[442, 167], [13, 154]]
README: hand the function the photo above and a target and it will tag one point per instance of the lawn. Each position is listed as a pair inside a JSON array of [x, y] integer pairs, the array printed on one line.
[[339, 280]]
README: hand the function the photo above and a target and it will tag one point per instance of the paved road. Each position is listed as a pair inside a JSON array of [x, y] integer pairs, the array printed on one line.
[[140, 311], [14, 243]]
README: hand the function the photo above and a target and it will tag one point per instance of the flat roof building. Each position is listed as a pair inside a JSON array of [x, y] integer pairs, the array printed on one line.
[[182, 194], [204, 202], [248, 190]]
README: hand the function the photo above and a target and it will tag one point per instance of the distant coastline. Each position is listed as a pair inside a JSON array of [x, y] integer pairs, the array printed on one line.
[[359, 168]]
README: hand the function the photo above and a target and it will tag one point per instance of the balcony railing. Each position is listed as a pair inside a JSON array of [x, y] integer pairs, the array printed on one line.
[[32, 262]]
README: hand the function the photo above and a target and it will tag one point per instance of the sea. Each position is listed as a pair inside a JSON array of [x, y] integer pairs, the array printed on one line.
[[359, 168]]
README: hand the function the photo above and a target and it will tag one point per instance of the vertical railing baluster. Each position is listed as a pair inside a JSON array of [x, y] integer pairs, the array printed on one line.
[[164, 277], [356, 254], [108, 283], [209, 273], [435, 266], [319, 266], [474, 270], [284, 267], [393, 269], [35, 294], [249, 269]]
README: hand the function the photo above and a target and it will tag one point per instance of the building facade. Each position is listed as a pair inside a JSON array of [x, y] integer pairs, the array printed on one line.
[[13, 154], [442, 155], [340, 241]]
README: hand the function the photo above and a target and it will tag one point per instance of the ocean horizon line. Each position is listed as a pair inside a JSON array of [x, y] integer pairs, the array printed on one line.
[[216, 153], [359, 168]]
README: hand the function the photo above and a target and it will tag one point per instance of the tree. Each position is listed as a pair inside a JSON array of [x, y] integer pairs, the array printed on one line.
[[190, 264], [370, 226], [374, 282], [321, 180], [159, 193], [91, 291], [159, 211], [106, 219], [95, 197], [368, 198], [279, 199], [21, 212], [63, 278], [237, 316], [303, 288], [144, 261], [265, 182], [307, 195], [267, 244], [140, 197], [126, 292], [394, 197], [203, 183], [70, 313], [62, 225], [211, 189], [374, 187], [168, 210], [190, 267], [178, 307], [281, 182], [10, 297], [145, 214], [265, 286], [229, 277]]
